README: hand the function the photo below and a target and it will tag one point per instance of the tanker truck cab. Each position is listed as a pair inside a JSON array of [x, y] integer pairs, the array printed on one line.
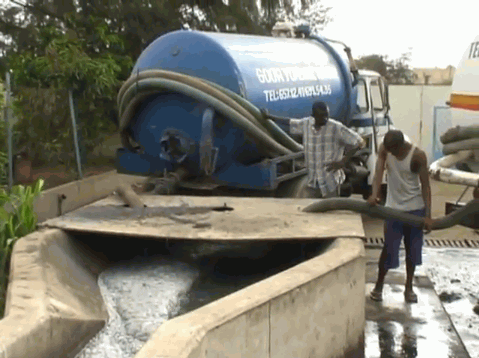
[[371, 119]]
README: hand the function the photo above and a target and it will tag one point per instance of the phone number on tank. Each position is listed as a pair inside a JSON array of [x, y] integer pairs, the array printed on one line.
[[297, 92]]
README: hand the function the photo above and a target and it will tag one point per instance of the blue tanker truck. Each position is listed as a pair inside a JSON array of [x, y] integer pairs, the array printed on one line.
[[190, 111]]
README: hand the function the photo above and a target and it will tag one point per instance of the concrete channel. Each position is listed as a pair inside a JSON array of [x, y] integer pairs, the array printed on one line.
[[55, 307]]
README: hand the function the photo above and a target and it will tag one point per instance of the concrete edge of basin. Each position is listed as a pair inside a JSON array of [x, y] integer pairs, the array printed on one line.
[[80, 193], [54, 304], [225, 323]]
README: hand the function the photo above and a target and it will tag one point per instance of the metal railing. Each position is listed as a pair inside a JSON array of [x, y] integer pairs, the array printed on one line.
[[275, 179]]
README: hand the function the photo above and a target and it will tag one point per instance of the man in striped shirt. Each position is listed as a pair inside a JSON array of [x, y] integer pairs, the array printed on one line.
[[328, 146]]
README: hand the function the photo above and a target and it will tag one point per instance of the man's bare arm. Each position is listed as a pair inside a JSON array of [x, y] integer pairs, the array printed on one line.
[[350, 150], [378, 174], [420, 164], [282, 120]]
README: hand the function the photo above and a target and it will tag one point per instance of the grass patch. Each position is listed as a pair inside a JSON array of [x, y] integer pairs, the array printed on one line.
[[17, 219]]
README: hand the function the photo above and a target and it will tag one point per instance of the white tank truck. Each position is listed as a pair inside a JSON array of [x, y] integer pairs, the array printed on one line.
[[460, 142]]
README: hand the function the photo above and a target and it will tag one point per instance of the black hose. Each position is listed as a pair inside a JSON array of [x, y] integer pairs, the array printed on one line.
[[459, 133], [465, 144], [457, 217]]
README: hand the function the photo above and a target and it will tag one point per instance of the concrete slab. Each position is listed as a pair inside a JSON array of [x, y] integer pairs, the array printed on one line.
[[211, 218], [397, 329]]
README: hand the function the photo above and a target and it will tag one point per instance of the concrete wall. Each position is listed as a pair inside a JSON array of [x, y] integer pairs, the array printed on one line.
[[79, 193], [54, 305], [53, 300], [315, 309], [433, 76]]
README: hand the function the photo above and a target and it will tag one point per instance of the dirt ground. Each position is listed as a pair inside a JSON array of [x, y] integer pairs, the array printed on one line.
[[60, 174]]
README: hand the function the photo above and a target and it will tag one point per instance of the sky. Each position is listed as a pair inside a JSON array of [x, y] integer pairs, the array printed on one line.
[[438, 32]]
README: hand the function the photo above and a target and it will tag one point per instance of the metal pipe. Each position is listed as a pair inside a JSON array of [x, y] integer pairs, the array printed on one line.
[[130, 198], [168, 184], [75, 136], [9, 129], [345, 72], [439, 170]]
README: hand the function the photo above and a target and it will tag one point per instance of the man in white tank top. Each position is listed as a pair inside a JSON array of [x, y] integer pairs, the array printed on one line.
[[409, 191]]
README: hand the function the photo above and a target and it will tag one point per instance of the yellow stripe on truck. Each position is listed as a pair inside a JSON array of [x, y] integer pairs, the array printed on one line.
[[465, 101]]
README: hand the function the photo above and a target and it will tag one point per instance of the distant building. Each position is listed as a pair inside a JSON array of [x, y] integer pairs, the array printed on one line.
[[434, 76]]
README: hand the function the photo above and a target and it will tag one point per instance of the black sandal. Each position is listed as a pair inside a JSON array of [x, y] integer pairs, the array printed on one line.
[[410, 297], [376, 295]]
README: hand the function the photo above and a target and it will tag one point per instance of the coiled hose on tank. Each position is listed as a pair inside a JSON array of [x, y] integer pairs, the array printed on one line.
[[272, 139], [460, 216], [460, 145], [460, 138]]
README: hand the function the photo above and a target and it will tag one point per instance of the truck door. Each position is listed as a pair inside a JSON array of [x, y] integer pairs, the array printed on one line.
[[380, 107]]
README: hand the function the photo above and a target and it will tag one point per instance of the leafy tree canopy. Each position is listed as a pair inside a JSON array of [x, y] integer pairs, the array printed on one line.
[[396, 71], [89, 46]]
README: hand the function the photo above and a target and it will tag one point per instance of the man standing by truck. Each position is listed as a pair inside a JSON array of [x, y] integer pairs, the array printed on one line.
[[409, 191], [325, 140]]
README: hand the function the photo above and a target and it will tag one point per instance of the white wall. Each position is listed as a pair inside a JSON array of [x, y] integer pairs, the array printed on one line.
[[407, 114]]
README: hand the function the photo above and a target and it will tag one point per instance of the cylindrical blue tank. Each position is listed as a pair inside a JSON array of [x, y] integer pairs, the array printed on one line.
[[284, 75]]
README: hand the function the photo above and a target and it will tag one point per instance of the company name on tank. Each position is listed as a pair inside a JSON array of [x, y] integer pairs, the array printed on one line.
[[291, 74]]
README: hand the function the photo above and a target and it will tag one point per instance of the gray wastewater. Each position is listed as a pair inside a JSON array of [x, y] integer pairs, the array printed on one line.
[[143, 292], [455, 274], [143, 288]]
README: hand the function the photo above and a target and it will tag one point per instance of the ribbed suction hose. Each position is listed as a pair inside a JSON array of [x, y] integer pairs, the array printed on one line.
[[457, 217], [231, 105]]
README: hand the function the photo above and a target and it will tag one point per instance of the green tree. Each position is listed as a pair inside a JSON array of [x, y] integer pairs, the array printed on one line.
[[315, 14], [376, 63], [399, 71], [396, 71], [54, 45], [91, 66]]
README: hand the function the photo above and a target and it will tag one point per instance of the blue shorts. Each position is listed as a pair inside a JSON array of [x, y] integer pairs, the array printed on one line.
[[413, 240]]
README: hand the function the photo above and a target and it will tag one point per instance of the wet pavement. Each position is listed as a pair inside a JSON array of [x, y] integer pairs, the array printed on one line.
[[429, 328]]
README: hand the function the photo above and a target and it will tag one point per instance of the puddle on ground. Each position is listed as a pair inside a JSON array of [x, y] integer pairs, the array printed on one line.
[[455, 275]]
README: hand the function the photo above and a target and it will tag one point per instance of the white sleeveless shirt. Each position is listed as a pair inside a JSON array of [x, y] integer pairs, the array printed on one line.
[[403, 186]]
